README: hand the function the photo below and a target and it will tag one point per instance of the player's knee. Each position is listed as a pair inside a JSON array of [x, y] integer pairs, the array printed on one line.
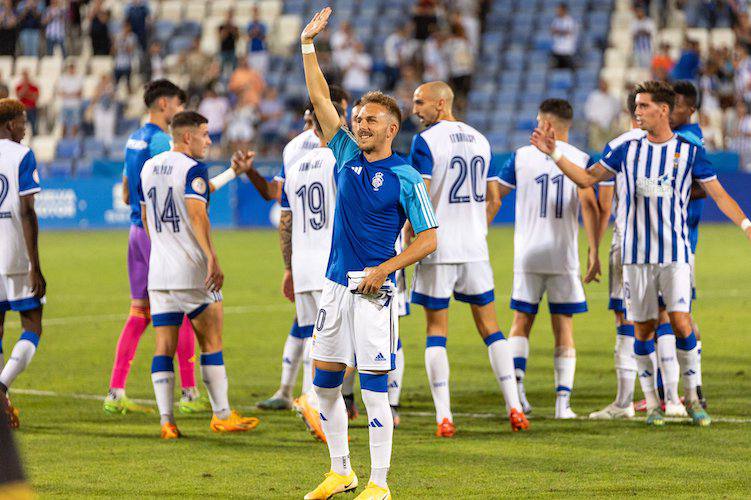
[[521, 325], [31, 321], [681, 323]]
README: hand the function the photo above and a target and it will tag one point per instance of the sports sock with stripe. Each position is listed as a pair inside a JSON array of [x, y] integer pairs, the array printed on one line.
[[688, 358], [646, 363], [380, 424], [19, 358], [667, 361], [437, 366], [564, 368], [294, 348], [625, 366], [396, 376], [163, 379], [502, 362], [520, 352], [328, 387], [186, 354], [307, 367], [214, 376]]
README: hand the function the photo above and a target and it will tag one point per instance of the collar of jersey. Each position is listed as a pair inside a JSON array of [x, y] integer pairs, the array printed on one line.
[[391, 161]]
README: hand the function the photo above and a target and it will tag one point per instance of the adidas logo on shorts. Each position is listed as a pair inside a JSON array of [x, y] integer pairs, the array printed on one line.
[[380, 357]]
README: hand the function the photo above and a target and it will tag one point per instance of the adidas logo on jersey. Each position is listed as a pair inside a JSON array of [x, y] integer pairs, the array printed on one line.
[[375, 423], [358, 170], [380, 357]]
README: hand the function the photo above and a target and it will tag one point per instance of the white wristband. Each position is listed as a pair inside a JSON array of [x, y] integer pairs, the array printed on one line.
[[220, 180], [308, 48], [745, 224], [556, 155]]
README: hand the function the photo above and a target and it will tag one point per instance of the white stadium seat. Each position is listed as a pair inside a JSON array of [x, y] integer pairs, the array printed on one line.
[[700, 35], [172, 10], [50, 67], [29, 63], [44, 147], [220, 7], [722, 37], [615, 58], [196, 10], [101, 64]]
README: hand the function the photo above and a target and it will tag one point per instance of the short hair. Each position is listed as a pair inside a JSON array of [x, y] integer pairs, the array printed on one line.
[[188, 119], [161, 88], [314, 118], [687, 90], [560, 108], [10, 109], [358, 102], [660, 91], [388, 102], [338, 94], [631, 103]]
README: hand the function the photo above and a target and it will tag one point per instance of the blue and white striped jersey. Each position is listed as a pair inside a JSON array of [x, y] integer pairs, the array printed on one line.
[[657, 180]]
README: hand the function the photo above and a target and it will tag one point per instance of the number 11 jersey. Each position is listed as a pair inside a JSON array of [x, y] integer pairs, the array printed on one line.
[[456, 159], [309, 192], [546, 224], [177, 261]]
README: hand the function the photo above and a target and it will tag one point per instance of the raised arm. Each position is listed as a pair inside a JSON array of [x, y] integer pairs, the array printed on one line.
[[318, 89], [590, 217], [727, 205], [30, 226], [199, 219]]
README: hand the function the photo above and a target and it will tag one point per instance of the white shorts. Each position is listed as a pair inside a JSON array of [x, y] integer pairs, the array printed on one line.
[[351, 329], [471, 282], [692, 262], [402, 299], [306, 306], [615, 278], [565, 293], [15, 293], [642, 283], [169, 306]]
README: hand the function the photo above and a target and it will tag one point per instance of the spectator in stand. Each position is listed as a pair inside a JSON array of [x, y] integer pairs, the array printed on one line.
[[126, 46], [99, 29], [28, 94], [74, 25], [55, 31], [662, 63], [398, 50], [215, 108], [271, 111], [30, 23], [241, 127], [739, 132], [258, 56], [742, 64], [642, 32], [687, 67], [461, 62], [435, 64], [157, 67], [228, 35], [342, 39], [467, 18], [565, 32], [424, 16], [8, 28], [357, 65], [69, 90], [601, 111], [743, 30], [247, 84], [201, 68], [103, 110], [137, 15]]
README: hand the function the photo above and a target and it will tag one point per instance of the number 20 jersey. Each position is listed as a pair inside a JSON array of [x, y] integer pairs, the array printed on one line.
[[309, 192], [177, 261], [546, 223], [456, 159]]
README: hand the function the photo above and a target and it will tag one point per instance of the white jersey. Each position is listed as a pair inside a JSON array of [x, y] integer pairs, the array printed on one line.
[[309, 192], [619, 190], [18, 177], [657, 180], [546, 226], [297, 148], [456, 159], [177, 261]]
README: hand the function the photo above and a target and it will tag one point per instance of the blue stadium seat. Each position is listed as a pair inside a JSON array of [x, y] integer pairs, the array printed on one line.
[[68, 149], [58, 168], [188, 28], [163, 30]]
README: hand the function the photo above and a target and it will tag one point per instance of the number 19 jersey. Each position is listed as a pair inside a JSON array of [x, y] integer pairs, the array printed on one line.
[[456, 159], [177, 261], [309, 192], [546, 223]]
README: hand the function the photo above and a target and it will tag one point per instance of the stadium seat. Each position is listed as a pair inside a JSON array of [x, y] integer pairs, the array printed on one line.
[[68, 149], [722, 37], [44, 147], [6, 66], [171, 10], [59, 168], [616, 58], [163, 30], [50, 67], [196, 10], [29, 63], [700, 35]]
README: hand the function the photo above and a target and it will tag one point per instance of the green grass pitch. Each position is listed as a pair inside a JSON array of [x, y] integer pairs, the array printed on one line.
[[72, 449]]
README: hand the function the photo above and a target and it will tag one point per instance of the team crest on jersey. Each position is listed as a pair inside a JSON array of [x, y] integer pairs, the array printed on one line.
[[198, 185], [377, 181]]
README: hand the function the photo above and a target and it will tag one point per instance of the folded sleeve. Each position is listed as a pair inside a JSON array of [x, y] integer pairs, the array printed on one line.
[[702, 169], [420, 156], [197, 183], [414, 199], [344, 147], [28, 175], [507, 175]]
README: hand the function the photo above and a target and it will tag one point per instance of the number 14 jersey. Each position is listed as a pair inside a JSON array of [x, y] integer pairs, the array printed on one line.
[[309, 192], [456, 159], [546, 224]]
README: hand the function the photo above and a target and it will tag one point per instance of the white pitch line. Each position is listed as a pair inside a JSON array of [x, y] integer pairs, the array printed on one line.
[[151, 402]]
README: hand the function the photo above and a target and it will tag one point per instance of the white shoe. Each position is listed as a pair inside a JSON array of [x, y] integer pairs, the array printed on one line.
[[675, 410], [613, 412], [565, 414]]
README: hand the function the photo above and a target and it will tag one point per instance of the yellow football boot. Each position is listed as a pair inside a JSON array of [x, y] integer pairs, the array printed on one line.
[[234, 423], [170, 431], [333, 485], [374, 492], [310, 415]]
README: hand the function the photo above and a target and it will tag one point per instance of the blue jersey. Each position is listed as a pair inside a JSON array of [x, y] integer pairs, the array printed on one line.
[[373, 201], [693, 131], [147, 141]]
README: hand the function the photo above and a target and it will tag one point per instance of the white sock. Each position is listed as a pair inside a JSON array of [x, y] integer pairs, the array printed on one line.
[[116, 393], [564, 367], [625, 368], [667, 361], [380, 425], [334, 423], [307, 367], [437, 366], [20, 357], [646, 362], [348, 385], [502, 362], [396, 376], [688, 358], [520, 352], [163, 379], [698, 365], [214, 376], [291, 357]]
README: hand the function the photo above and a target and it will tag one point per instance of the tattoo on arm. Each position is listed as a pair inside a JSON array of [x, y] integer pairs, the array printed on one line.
[[285, 238]]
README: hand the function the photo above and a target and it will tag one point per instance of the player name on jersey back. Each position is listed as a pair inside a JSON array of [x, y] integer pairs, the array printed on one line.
[[547, 210], [167, 180], [456, 159], [309, 192]]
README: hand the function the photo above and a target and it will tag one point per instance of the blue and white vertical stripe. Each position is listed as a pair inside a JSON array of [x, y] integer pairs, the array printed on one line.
[[657, 182], [426, 206]]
